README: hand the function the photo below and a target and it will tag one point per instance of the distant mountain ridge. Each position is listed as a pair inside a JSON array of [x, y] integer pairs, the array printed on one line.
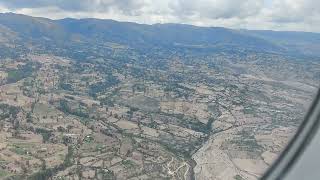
[[140, 36]]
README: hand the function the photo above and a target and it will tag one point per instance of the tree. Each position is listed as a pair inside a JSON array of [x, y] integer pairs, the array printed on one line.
[[29, 117], [1, 126], [68, 128]]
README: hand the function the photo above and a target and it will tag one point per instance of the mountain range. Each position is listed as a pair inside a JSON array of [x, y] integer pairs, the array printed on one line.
[[34, 32]]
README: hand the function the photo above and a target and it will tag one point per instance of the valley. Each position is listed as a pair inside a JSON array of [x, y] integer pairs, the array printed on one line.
[[107, 109]]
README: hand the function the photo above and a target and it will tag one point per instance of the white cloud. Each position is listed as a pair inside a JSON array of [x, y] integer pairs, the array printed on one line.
[[216, 9], [302, 15]]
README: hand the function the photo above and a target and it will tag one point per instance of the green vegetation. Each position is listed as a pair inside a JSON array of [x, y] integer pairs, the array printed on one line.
[[46, 173], [133, 101], [80, 111], [248, 143], [22, 72], [128, 164], [42, 174], [68, 161], [107, 174], [67, 87], [46, 134], [101, 87], [209, 124], [238, 177], [18, 150], [3, 173], [7, 111]]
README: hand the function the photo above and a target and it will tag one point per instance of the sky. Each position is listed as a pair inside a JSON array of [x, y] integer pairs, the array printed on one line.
[[288, 15]]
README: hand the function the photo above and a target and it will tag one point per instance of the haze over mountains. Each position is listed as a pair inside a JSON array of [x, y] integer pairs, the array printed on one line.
[[101, 99], [69, 32]]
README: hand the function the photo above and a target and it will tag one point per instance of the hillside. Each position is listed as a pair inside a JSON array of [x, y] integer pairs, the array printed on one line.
[[72, 32], [101, 99]]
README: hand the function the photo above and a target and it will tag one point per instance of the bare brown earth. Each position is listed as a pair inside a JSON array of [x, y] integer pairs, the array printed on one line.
[[91, 120]]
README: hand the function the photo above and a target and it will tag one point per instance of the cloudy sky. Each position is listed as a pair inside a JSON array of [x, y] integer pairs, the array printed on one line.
[[294, 15]]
